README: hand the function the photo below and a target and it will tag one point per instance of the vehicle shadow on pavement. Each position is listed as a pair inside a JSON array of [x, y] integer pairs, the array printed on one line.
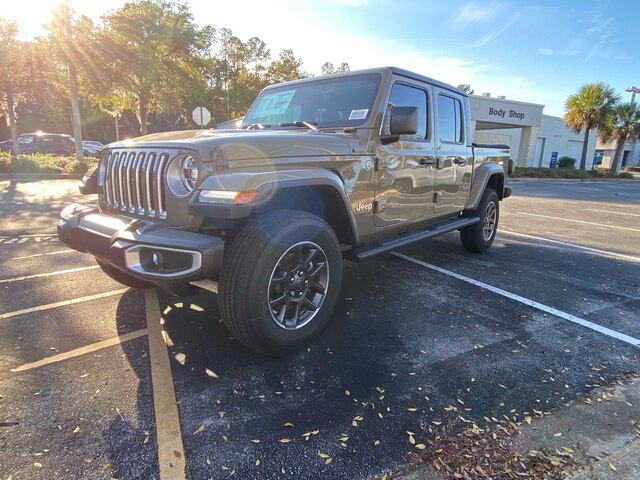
[[398, 356], [130, 438]]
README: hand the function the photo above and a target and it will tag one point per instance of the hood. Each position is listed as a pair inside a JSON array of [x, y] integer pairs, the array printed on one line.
[[249, 144]]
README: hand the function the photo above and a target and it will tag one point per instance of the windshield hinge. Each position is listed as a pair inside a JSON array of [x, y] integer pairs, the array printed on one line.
[[381, 163]]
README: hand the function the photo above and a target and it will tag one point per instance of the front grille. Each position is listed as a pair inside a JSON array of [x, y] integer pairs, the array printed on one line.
[[133, 182]]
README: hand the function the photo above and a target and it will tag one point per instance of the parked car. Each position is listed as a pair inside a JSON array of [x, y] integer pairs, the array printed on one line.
[[92, 148], [6, 146], [47, 143]]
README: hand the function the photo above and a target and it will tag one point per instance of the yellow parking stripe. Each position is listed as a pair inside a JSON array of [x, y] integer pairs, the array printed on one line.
[[171, 458], [49, 274], [73, 301], [94, 347]]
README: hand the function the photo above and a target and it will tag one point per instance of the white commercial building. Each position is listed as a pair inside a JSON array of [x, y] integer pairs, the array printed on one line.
[[537, 140]]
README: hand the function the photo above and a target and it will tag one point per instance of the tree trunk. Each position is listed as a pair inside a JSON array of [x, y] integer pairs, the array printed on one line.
[[585, 146], [143, 113], [75, 113], [615, 166], [73, 84], [12, 119]]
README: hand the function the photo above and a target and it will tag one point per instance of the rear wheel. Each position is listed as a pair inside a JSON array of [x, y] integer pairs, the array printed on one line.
[[123, 278], [281, 281], [478, 237]]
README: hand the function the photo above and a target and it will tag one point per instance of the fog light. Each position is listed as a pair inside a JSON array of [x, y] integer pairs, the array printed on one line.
[[155, 260]]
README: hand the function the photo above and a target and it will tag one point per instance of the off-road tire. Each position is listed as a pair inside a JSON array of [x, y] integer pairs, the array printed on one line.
[[122, 277], [475, 238], [248, 273]]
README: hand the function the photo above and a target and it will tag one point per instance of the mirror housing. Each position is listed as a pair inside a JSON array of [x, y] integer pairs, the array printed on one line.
[[404, 120]]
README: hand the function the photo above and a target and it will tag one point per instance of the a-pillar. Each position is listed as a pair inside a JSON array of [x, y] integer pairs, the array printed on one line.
[[527, 148]]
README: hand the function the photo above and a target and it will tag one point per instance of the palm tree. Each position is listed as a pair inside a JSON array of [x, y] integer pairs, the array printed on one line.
[[587, 109], [623, 125]]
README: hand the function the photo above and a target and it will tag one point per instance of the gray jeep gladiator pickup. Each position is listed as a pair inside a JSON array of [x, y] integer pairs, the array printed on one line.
[[343, 166]]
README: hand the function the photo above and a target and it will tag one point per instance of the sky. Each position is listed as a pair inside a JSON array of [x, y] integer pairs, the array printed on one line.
[[533, 51]]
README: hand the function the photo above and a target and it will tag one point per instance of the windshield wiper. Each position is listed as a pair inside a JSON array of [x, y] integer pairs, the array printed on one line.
[[256, 126], [309, 125]]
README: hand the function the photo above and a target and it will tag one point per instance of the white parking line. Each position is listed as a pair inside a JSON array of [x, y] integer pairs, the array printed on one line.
[[572, 245], [615, 213], [531, 303], [49, 274], [57, 252], [580, 221], [63, 303], [94, 347]]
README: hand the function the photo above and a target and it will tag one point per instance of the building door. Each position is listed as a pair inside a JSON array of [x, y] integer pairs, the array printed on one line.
[[537, 157]]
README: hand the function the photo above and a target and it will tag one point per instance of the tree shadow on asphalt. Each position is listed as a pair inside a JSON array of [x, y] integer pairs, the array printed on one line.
[[25, 203]]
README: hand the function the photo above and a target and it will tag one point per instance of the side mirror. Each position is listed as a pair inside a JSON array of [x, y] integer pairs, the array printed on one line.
[[404, 120]]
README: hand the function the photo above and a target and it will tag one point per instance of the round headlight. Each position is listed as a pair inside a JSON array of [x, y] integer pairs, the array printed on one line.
[[189, 169]]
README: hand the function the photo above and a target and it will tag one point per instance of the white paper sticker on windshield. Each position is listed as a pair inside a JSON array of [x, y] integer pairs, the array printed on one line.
[[359, 114], [274, 103]]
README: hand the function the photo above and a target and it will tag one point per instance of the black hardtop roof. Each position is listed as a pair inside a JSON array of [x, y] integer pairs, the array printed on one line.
[[382, 71]]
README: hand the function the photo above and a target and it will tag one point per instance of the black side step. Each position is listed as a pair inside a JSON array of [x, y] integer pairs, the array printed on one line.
[[367, 251]]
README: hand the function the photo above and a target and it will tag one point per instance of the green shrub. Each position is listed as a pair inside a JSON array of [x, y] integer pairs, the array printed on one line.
[[566, 162], [43, 163], [5, 162], [529, 172]]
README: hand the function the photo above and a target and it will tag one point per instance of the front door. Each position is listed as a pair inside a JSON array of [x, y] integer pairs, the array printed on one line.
[[454, 157], [405, 171]]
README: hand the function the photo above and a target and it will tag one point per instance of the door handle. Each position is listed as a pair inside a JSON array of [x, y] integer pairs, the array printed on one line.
[[428, 161], [460, 161]]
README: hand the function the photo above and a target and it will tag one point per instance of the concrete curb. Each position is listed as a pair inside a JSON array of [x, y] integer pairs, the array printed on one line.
[[41, 176]]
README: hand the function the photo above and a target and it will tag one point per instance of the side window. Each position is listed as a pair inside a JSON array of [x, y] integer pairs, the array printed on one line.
[[406, 96], [25, 140], [449, 119]]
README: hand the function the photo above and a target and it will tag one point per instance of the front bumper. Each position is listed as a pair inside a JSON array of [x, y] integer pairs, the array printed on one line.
[[147, 250]]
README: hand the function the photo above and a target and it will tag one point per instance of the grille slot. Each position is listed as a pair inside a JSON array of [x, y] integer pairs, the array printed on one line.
[[133, 182]]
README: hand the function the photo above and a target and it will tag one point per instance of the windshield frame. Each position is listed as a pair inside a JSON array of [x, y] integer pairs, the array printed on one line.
[[376, 77]]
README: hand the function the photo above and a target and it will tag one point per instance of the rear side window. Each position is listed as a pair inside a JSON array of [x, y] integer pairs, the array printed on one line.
[[449, 119], [25, 140], [406, 96]]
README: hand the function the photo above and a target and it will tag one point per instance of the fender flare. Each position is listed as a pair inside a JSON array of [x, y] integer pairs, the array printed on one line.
[[268, 184], [481, 177]]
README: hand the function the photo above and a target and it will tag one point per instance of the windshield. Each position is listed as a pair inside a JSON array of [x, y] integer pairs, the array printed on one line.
[[336, 102]]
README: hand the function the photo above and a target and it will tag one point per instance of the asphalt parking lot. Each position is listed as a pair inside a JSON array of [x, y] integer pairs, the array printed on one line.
[[421, 338]]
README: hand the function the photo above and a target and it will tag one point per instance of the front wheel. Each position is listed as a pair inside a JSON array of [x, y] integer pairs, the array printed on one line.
[[478, 237], [281, 281]]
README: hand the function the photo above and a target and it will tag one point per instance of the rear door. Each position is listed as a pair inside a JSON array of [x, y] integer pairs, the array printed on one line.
[[453, 152], [27, 143], [404, 176]]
